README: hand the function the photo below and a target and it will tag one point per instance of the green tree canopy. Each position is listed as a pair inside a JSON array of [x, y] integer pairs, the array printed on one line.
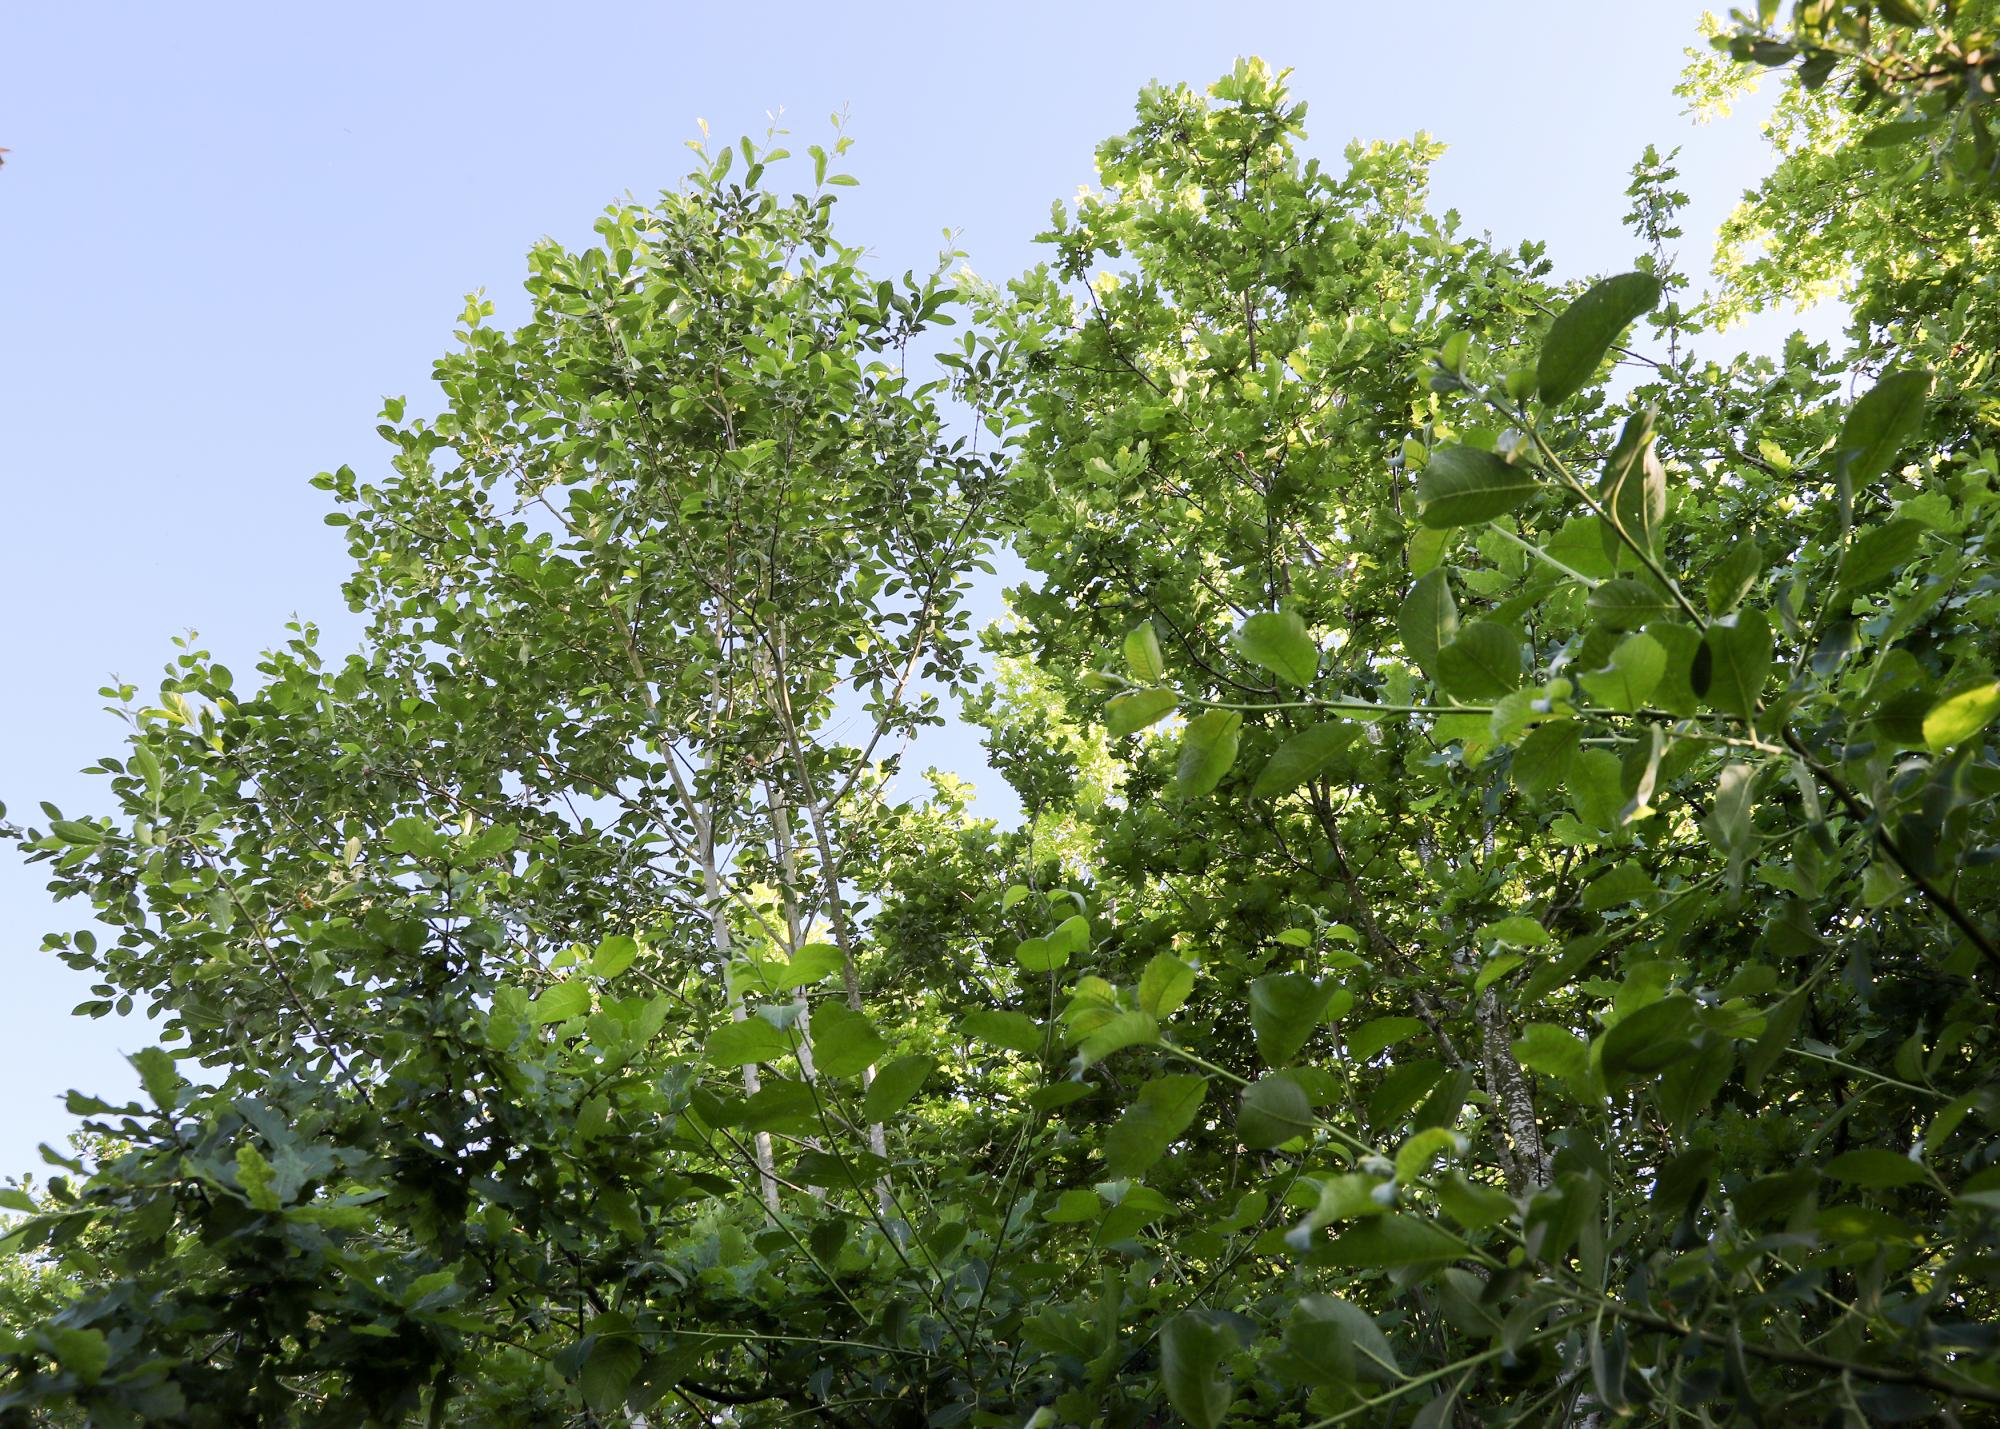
[[1503, 924]]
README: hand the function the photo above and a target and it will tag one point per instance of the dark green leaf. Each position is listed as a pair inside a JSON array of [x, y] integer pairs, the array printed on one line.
[[1584, 331], [1164, 1109], [1483, 662], [1462, 486], [1881, 424], [1194, 1349], [1303, 757], [1274, 1110]]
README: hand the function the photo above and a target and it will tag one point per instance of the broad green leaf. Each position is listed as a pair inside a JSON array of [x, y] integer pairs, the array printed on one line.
[[1380, 1034], [1193, 1368], [1516, 930], [1647, 1041], [844, 1042], [1165, 985], [1733, 663], [1414, 1156], [1484, 661], [809, 965], [559, 1002], [1136, 709], [1625, 883], [1428, 620], [1129, 1028], [1585, 330], [615, 954], [158, 1076], [1734, 576], [1304, 756], [1142, 655], [1334, 1342], [1162, 1112], [1470, 1204], [1629, 680], [609, 1369], [1278, 641], [1013, 1030], [1284, 1010], [1633, 492], [1881, 424], [1382, 1242], [254, 1175], [1959, 718], [895, 1083], [736, 1044], [1874, 555], [1542, 763], [1208, 748], [1627, 604], [1463, 486], [1274, 1110], [1552, 1051], [1874, 1167]]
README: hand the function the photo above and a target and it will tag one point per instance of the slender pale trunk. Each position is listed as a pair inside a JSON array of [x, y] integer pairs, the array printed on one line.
[[829, 873], [725, 949], [788, 895]]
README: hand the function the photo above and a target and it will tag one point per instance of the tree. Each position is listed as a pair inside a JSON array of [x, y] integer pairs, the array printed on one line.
[[1502, 930]]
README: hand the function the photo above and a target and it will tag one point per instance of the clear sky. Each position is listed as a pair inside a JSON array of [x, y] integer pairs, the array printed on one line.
[[227, 231]]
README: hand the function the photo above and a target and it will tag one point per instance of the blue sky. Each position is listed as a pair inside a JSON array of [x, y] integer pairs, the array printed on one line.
[[229, 230]]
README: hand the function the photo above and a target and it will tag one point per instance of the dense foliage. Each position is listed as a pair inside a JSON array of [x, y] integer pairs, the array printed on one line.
[[1502, 927]]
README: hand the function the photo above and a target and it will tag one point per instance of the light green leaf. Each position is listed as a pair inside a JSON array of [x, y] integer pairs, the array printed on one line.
[[737, 1044], [844, 1042], [1127, 1028], [1733, 663], [1961, 716], [1208, 748], [1629, 680], [1633, 492], [559, 1002], [615, 954], [1380, 1034], [1013, 1030], [1584, 331], [1278, 641], [1428, 620], [1136, 709], [1627, 604], [895, 1083], [1142, 655], [1516, 930], [1552, 1051], [1165, 985], [158, 1076], [1734, 576], [1414, 1157], [1463, 486]]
